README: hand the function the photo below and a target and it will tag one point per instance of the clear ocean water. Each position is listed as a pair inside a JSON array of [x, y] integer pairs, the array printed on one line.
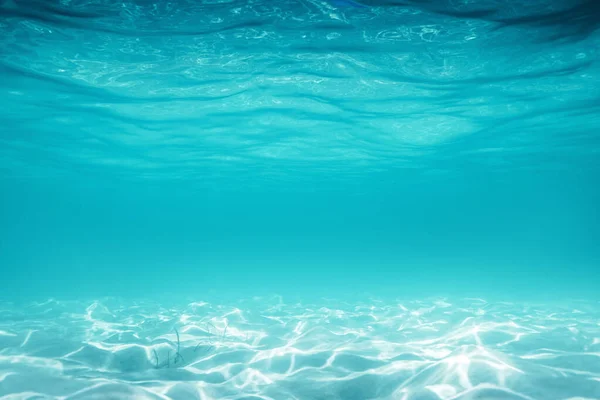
[[300, 199]]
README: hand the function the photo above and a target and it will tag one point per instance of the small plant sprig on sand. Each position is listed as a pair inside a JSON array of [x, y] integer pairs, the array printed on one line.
[[176, 358], [156, 357], [211, 344], [178, 354]]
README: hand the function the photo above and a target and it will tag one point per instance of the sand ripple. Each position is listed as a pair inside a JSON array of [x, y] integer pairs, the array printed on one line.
[[268, 349]]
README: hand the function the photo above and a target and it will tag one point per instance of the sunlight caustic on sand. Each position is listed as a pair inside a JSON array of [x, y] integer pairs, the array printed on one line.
[[451, 349]]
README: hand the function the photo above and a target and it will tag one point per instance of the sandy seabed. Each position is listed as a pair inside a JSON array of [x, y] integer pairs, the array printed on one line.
[[265, 348]]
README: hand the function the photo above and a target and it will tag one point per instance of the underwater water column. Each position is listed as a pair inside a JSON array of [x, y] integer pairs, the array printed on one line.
[[302, 199]]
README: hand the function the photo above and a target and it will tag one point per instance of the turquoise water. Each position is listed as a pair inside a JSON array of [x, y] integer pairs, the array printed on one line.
[[299, 199]]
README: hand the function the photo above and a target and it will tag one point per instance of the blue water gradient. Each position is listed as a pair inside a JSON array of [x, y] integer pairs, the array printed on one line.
[[300, 199], [432, 148]]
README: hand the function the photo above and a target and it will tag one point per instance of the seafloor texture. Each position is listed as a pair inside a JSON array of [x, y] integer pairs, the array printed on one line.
[[267, 349]]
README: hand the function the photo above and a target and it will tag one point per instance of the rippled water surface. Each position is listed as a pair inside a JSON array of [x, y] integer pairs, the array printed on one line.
[[221, 150], [269, 90]]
